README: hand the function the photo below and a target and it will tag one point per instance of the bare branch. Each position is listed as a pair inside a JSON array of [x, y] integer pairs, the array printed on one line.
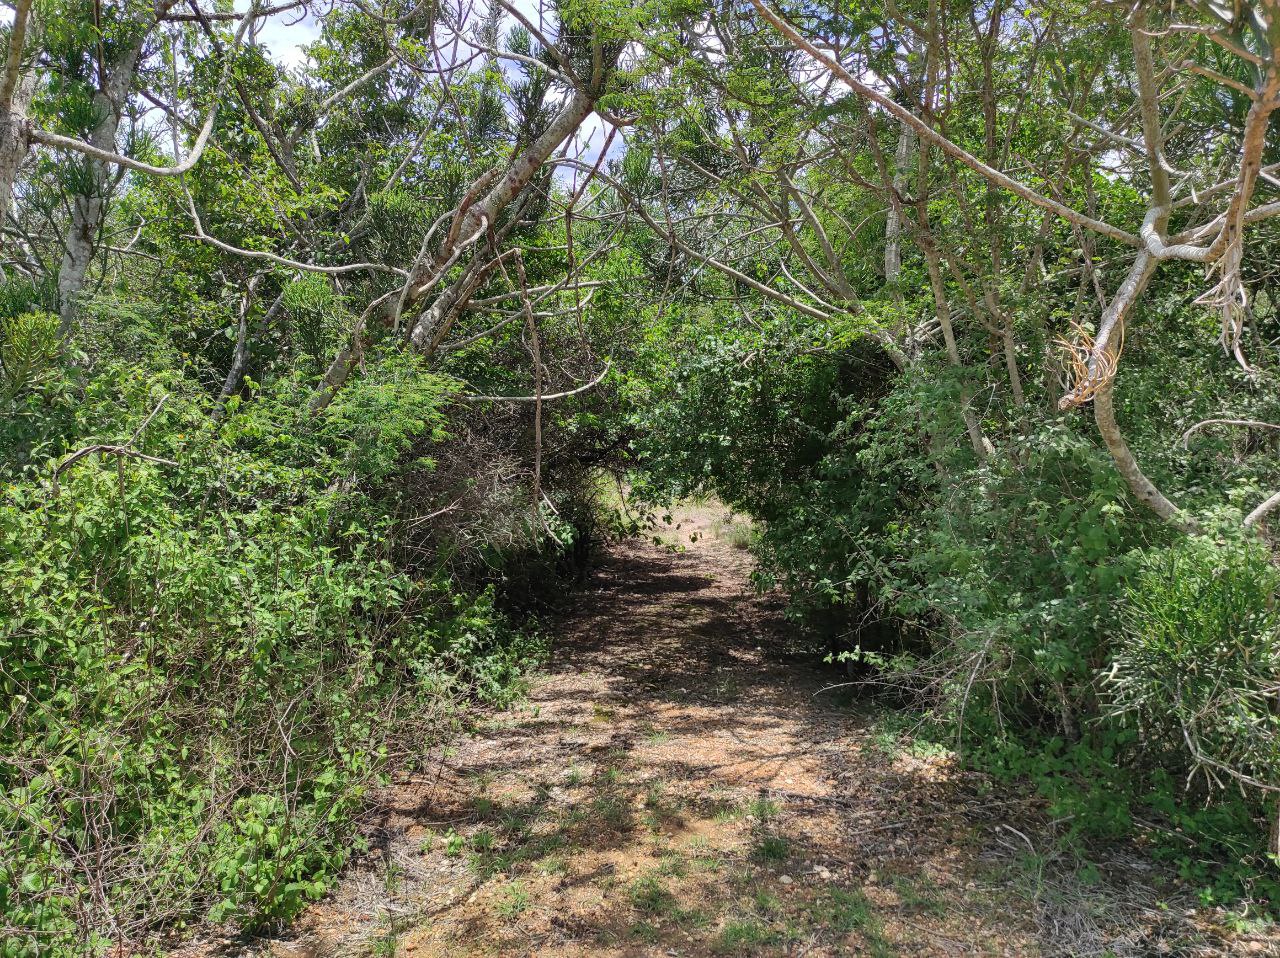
[[926, 132], [197, 148], [1246, 423], [546, 396]]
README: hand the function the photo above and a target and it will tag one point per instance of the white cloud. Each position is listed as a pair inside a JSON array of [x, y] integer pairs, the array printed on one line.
[[285, 35]]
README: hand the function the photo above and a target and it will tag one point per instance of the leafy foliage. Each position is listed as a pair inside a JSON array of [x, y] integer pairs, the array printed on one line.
[[1063, 635], [216, 651], [1200, 653]]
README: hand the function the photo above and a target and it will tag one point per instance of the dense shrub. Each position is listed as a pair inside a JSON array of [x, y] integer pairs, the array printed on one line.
[[210, 654], [1063, 634], [1199, 655]]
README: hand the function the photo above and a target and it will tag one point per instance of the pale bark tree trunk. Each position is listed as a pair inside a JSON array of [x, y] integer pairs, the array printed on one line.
[[1257, 515], [88, 208], [942, 309], [893, 221], [483, 214], [1143, 489], [13, 145], [1011, 358], [429, 327], [522, 170], [17, 87], [433, 324], [1104, 413]]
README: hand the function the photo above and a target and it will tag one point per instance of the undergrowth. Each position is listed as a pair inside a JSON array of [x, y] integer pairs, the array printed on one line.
[[1042, 623], [212, 650]]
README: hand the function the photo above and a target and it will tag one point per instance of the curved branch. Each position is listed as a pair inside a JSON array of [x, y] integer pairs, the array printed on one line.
[[1110, 334], [197, 148], [1143, 489], [1258, 514], [1247, 423], [546, 396], [332, 98], [203, 237]]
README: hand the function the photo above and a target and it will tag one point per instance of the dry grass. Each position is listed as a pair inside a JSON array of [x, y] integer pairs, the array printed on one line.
[[736, 532]]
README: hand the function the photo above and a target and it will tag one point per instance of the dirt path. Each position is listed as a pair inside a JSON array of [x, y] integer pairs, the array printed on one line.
[[680, 784]]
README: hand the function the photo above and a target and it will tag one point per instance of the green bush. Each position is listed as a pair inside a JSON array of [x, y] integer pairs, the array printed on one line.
[[209, 654], [1199, 656], [1063, 635]]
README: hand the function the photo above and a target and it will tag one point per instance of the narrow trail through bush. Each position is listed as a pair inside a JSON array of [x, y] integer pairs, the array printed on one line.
[[679, 782]]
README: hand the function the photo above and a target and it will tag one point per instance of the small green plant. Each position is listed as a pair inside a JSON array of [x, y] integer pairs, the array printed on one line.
[[392, 876], [727, 690], [844, 911], [673, 865], [771, 848], [613, 811], [553, 865], [726, 810], [918, 893], [651, 897], [29, 347], [516, 821], [386, 945], [735, 532], [766, 903], [658, 809], [513, 900], [656, 736], [744, 935], [645, 931], [454, 844], [704, 856]]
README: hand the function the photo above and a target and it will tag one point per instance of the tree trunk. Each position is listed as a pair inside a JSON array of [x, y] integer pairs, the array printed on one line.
[[429, 327], [523, 169], [1011, 361], [89, 207], [13, 150], [1144, 489], [17, 87], [942, 309], [893, 221]]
